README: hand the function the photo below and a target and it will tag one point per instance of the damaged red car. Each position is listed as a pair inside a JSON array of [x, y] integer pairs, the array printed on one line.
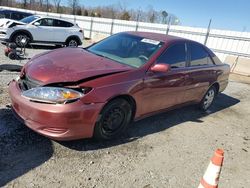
[[74, 93]]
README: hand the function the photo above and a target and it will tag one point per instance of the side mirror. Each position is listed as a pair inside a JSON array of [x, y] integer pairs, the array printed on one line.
[[160, 67], [36, 24]]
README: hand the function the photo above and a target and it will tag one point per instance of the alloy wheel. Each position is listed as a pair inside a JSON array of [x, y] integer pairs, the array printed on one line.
[[209, 97], [72, 43]]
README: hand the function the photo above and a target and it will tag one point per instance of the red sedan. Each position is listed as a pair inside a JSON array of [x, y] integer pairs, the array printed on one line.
[[74, 93]]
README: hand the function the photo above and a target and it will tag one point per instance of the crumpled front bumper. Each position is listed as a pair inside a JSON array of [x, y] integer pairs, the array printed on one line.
[[57, 121]]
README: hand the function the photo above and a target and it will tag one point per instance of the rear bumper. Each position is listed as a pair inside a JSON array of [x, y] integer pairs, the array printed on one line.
[[59, 122]]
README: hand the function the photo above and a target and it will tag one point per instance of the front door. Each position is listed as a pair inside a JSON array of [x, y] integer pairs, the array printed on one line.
[[164, 90], [44, 31]]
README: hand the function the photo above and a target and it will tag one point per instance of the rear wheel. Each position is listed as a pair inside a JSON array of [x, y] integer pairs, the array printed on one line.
[[72, 42], [208, 98], [114, 119]]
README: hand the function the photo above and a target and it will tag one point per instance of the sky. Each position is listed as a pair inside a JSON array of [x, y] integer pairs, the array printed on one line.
[[225, 14]]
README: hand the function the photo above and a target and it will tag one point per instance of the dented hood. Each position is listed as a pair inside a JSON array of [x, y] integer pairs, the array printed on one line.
[[5, 23], [70, 65]]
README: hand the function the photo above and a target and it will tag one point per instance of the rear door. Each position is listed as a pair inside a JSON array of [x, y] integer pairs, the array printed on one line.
[[62, 29], [164, 90], [200, 72]]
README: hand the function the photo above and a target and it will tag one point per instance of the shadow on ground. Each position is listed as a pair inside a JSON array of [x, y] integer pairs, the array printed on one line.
[[155, 124], [21, 149], [43, 47]]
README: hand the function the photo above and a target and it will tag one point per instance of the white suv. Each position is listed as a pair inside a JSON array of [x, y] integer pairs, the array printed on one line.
[[41, 29]]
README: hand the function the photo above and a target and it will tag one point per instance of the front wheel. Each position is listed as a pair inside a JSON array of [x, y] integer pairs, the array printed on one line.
[[114, 119], [208, 99], [21, 39]]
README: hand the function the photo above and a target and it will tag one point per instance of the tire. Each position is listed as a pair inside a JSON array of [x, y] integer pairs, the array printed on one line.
[[114, 119], [208, 99], [72, 42], [12, 55], [18, 37]]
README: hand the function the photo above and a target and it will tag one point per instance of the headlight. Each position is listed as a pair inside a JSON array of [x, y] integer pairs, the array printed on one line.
[[52, 94]]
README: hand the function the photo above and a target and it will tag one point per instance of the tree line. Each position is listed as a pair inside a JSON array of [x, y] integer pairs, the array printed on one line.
[[117, 11]]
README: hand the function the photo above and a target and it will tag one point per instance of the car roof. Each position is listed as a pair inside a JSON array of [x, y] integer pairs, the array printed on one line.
[[42, 16], [157, 36], [14, 11]]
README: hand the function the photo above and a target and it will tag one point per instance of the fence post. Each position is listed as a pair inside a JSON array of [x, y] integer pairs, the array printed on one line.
[[137, 26], [137, 20], [208, 31], [91, 27], [112, 27], [169, 24]]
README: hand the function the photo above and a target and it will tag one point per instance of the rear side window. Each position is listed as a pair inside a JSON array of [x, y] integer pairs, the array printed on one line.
[[199, 56], [175, 56], [60, 23]]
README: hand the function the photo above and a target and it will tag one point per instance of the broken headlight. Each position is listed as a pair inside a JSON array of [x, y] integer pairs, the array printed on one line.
[[52, 94]]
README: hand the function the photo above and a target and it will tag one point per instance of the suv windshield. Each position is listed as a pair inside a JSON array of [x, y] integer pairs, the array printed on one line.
[[127, 49], [29, 19]]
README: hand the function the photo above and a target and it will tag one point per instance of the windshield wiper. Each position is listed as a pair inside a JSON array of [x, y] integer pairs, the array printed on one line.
[[101, 55]]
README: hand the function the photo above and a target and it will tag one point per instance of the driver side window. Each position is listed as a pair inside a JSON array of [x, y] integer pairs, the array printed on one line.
[[175, 56], [46, 22]]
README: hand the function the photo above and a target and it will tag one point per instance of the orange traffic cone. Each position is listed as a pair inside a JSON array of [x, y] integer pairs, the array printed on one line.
[[211, 176]]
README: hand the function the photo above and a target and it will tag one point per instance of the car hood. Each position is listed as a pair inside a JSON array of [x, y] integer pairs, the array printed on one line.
[[4, 22], [70, 65]]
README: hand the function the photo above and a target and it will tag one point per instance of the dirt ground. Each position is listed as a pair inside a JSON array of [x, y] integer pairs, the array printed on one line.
[[167, 150]]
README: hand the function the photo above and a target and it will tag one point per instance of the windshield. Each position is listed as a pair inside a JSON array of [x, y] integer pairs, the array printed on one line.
[[127, 49], [29, 19]]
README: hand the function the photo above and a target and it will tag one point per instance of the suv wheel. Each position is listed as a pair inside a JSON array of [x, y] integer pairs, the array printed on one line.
[[21, 39], [72, 42]]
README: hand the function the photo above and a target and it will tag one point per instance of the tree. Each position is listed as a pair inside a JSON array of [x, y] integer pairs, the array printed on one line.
[[164, 17], [57, 5], [40, 4], [85, 12], [79, 11], [74, 5], [152, 18], [125, 16], [24, 3], [47, 5], [92, 14]]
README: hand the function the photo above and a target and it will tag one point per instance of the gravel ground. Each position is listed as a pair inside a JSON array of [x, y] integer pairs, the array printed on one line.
[[167, 150]]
